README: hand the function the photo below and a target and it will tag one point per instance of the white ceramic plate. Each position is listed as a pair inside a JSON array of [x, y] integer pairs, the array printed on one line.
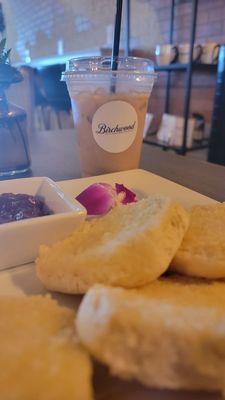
[[22, 280]]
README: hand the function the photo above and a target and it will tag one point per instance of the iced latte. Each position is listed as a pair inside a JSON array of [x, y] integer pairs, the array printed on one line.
[[109, 110]]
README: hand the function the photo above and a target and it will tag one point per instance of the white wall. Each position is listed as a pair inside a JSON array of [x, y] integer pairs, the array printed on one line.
[[43, 28]]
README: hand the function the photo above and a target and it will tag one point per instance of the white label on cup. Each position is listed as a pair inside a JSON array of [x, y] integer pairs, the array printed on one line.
[[114, 126]]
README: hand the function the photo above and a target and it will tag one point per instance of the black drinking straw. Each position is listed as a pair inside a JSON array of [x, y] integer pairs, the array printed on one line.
[[116, 40]]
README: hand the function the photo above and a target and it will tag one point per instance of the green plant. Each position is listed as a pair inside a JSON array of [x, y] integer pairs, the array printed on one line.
[[8, 73]]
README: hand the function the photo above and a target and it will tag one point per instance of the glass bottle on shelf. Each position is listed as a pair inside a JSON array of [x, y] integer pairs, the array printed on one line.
[[14, 151]]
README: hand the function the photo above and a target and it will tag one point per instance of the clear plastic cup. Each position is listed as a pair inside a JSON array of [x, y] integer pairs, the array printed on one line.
[[109, 109]]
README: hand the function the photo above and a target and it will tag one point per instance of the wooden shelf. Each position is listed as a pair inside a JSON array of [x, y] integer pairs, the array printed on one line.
[[153, 140], [183, 67]]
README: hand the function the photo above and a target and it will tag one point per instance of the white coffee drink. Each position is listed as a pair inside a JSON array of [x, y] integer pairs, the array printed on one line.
[[109, 110], [94, 157]]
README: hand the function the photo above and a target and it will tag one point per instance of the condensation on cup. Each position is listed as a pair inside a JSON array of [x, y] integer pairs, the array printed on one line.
[[109, 109]]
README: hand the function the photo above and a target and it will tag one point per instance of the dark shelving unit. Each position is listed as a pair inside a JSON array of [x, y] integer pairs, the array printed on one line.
[[188, 69], [216, 152]]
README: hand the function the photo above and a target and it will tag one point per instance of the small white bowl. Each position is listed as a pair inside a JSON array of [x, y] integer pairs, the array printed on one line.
[[20, 240]]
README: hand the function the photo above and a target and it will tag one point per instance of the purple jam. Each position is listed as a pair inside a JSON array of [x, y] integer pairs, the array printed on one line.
[[14, 207]]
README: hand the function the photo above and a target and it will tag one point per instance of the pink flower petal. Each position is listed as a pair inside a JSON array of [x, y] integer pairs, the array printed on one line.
[[98, 198], [127, 195]]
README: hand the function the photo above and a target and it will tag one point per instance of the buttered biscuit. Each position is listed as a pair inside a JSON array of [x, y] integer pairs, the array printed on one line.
[[40, 357], [169, 334], [202, 252], [129, 247]]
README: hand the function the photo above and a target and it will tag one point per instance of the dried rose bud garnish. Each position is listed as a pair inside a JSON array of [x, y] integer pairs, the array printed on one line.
[[100, 198], [126, 196]]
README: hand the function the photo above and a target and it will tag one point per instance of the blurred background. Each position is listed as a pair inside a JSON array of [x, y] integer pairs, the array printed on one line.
[[44, 34]]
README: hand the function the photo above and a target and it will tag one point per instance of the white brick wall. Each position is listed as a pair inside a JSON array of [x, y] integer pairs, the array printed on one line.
[[34, 27]]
